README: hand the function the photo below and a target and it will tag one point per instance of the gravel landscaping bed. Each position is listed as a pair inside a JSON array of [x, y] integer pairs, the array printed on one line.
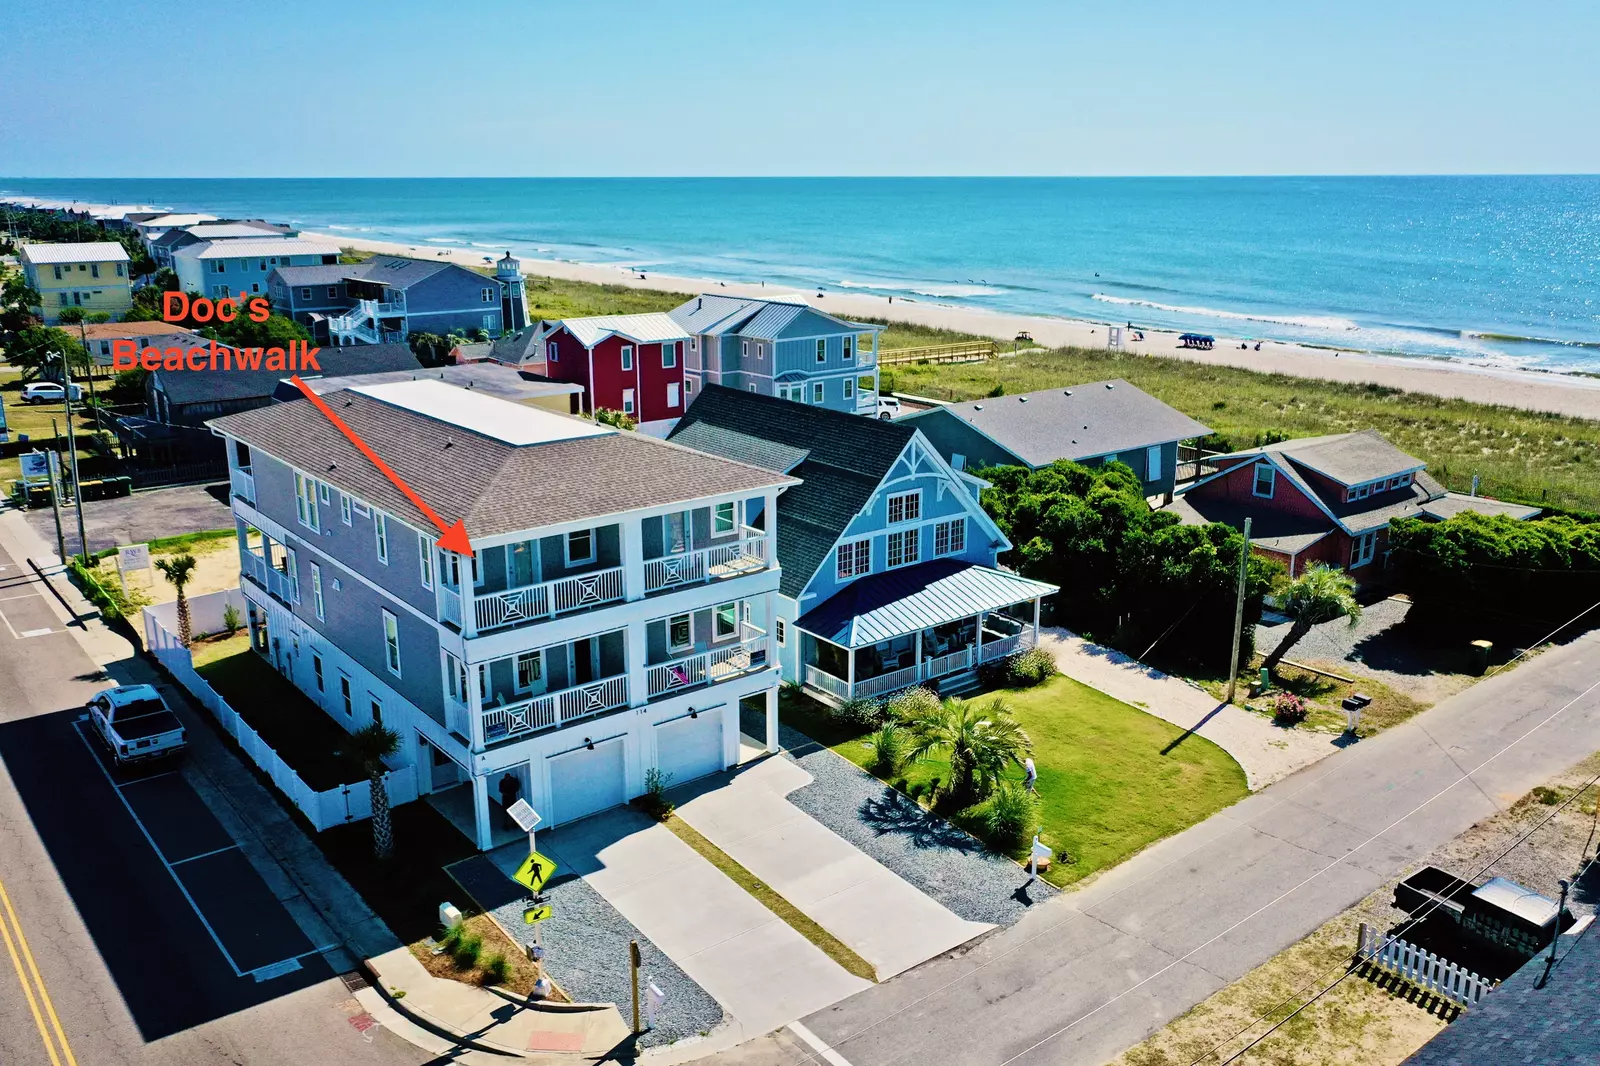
[[930, 853], [586, 953]]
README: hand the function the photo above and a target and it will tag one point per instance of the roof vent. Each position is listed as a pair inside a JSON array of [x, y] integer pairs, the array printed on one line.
[[977, 407], [448, 442], [1022, 399], [699, 301], [1068, 392], [1109, 385]]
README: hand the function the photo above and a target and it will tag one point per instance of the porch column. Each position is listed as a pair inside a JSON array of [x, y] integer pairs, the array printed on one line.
[[631, 533], [1036, 602], [772, 718], [480, 812], [466, 589], [637, 651], [977, 653], [919, 654], [850, 673], [474, 704]]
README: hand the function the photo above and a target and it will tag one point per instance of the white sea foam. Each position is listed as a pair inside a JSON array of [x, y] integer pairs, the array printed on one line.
[[950, 290], [1327, 322], [441, 240]]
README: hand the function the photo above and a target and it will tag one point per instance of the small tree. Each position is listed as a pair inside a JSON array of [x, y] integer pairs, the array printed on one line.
[[178, 570], [1319, 595], [370, 745], [980, 743]]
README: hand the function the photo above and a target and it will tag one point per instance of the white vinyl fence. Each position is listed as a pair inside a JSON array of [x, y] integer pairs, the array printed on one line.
[[1423, 968], [335, 806]]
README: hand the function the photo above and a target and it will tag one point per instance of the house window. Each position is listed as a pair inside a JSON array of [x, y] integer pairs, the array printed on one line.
[[305, 293], [391, 643], [752, 386], [722, 521], [627, 357], [552, 353], [781, 632], [669, 354], [627, 401], [822, 351], [376, 706], [333, 292], [688, 385], [744, 347], [487, 295], [380, 529], [316, 669], [221, 266], [816, 392], [94, 270], [1362, 548], [680, 634], [344, 693], [119, 270], [57, 269], [1152, 463], [1359, 492], [849, 349], [360, 508], [1265, 476], [425, 559], [950, 538], [905, 507], [344, 508], [316, 592], [761, 351], [903, 547], [727, 620], [530, 669], [305, 500], [958, 461], [63, 299], [855, 558], [849, 389], [324, 493], [672, 394], [580, 547]]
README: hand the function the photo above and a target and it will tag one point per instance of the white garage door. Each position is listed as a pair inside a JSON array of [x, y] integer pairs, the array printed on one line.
[[688, 748], [583, 781]]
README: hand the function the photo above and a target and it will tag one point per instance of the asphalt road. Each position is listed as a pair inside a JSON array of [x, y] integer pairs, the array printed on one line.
[[1091, 973], [135, 932]]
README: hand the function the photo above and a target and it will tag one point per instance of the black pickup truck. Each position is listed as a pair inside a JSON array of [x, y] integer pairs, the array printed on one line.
[[1498, 912]]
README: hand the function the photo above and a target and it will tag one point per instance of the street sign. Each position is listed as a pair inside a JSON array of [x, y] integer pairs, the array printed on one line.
[[35, 466], [534, 872], [537, 913], [526, 817], [133, 557]]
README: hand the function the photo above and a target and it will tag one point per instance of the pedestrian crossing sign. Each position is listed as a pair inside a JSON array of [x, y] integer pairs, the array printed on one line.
[[537, 913], [534, 872]]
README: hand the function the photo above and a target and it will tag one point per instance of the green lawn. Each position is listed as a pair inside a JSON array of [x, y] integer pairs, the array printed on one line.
[[1107, 785]]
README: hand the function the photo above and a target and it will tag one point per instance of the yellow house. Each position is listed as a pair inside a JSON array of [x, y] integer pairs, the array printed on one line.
[[91, 276]]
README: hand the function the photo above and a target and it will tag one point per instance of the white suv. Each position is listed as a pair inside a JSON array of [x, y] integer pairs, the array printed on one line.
[[888, 407], [49, 392]]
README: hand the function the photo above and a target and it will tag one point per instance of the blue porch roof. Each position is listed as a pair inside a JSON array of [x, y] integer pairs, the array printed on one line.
[[908, 600]]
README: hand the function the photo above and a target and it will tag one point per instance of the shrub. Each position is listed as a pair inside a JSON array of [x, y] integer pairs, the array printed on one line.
[[1029, 668], [1288, 709], [654, 801], [913, 703], [998, 390], [1011, 817], [465, 950], [889, 747], [607, 417], [495, 970], [231, 619], [860, 711]]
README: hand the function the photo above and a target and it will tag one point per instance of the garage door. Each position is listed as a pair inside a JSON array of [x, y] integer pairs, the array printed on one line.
[[687, 748], [583, 781]]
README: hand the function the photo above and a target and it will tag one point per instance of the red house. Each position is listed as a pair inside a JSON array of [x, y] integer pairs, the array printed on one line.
[[627, 363], [1325, 499]]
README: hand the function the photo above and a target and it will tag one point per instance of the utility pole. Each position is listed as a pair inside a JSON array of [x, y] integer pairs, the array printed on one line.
[[1238, 615], [83, 337], [52, 462], [72, 453], [1550, 962]]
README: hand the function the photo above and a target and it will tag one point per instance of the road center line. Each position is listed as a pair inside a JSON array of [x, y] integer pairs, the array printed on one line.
[[9, 925]]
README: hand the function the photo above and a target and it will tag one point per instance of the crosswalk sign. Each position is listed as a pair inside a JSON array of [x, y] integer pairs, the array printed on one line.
[[534, 872], [537, 913]]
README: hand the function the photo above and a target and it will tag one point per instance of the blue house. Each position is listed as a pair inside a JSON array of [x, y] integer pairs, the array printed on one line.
[[388, 297], [780, 346], [889, 563]]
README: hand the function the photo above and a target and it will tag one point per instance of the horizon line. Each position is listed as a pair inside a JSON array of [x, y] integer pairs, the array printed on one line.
[[800, 177]]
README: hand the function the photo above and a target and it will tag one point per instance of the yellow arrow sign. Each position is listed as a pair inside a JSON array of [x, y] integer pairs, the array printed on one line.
[[534, 872], [537, 913]]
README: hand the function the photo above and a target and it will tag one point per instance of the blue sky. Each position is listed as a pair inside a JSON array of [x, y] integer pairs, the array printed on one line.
[[630, 87]]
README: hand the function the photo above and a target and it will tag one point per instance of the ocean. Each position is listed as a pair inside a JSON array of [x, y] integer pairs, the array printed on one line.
[[1501, 270]]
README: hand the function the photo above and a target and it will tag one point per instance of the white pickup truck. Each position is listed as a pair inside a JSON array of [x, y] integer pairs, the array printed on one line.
[[136, 724]]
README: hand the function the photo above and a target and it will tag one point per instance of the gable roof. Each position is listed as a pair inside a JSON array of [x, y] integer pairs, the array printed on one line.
[[1348, 458], [210, 231], [912, 598], [264, 246], [92, 252], [846, 457], [772, 318], [222, 386], [1081, 422], [493, 485], [648, 328]]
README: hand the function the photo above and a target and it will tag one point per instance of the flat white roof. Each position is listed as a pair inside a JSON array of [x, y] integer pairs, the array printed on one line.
[[509, 422], [96, 252], [264, 245]]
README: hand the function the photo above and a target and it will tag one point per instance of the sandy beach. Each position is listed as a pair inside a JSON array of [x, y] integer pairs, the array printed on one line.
[[1527, 389]]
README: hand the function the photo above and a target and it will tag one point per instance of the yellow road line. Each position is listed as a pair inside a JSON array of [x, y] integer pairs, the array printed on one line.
[[38, 979]]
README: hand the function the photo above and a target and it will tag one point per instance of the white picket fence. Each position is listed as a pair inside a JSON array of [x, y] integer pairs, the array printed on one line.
[[334, 806], [1422, 968]]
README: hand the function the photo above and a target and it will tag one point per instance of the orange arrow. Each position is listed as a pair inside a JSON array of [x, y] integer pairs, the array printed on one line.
[[452, 538]]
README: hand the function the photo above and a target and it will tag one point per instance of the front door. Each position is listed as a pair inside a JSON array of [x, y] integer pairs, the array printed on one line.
[[519, 564], [676, 528], [585, 660]]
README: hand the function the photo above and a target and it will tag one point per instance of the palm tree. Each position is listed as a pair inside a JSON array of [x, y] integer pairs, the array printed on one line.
[[370, 745], [178, 570], [1320, 594], [980, 743]]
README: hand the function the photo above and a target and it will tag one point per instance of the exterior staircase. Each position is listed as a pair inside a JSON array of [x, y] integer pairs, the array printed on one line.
[[960, 685]]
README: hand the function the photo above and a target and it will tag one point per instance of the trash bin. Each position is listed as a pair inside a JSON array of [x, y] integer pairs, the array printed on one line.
[[1478, 660], [1353, 706]]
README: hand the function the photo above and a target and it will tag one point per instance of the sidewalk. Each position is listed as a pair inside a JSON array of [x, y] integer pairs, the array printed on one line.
[[1267, 752]]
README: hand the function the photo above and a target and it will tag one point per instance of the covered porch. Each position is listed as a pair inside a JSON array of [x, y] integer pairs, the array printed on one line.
[[939, 620]]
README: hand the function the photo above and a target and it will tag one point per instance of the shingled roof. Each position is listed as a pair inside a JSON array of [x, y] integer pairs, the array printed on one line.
[[222, 386], [493, 485], [842, 459]]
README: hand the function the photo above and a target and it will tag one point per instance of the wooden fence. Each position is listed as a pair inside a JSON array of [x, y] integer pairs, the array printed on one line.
[[1422, 968], [963, 352]]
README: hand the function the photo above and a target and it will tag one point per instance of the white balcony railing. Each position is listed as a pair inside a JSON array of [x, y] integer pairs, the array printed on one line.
[[270, 578], [554, 708], [254, 567], [450, 606], [826, 682], [243, 483], [999, 649], [734, 559], [707, 667], [532, 602], [889, 682], [953, 663], [458, 718]]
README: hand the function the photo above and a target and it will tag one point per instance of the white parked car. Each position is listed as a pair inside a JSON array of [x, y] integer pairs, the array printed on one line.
[[136, 724], [49, 392], [888, 407]]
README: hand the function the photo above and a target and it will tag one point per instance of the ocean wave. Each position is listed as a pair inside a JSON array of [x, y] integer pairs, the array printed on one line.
[[951, 290], [441, 240], [1327, 322], [1515, 338]]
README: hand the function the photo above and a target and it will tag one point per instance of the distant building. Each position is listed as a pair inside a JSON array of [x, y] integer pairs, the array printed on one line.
[[1325, 499], [780, 346], [227, 267], [153, 227], [490, 379], [161, 248], [99, 336], [190, 397], [627, 363], [91, 276], [1101, 422], [390, 297]]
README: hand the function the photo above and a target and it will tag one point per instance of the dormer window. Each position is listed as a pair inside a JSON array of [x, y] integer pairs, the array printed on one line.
[[1266, 476]]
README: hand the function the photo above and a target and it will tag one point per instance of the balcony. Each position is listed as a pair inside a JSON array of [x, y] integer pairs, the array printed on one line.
[[532, 603], [553, 709], [746, 555], [243, 484], [708, 667], [278, 584]]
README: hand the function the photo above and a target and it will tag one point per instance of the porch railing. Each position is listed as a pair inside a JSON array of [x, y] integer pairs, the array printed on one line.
[[458, 718], [450, 606], [243, 484], [707, 667], [934, 667], [889, 682], [999, 649], [952, 663], [743, 556], [554, 708], [270, 578], [516, 606], [823, 681]]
